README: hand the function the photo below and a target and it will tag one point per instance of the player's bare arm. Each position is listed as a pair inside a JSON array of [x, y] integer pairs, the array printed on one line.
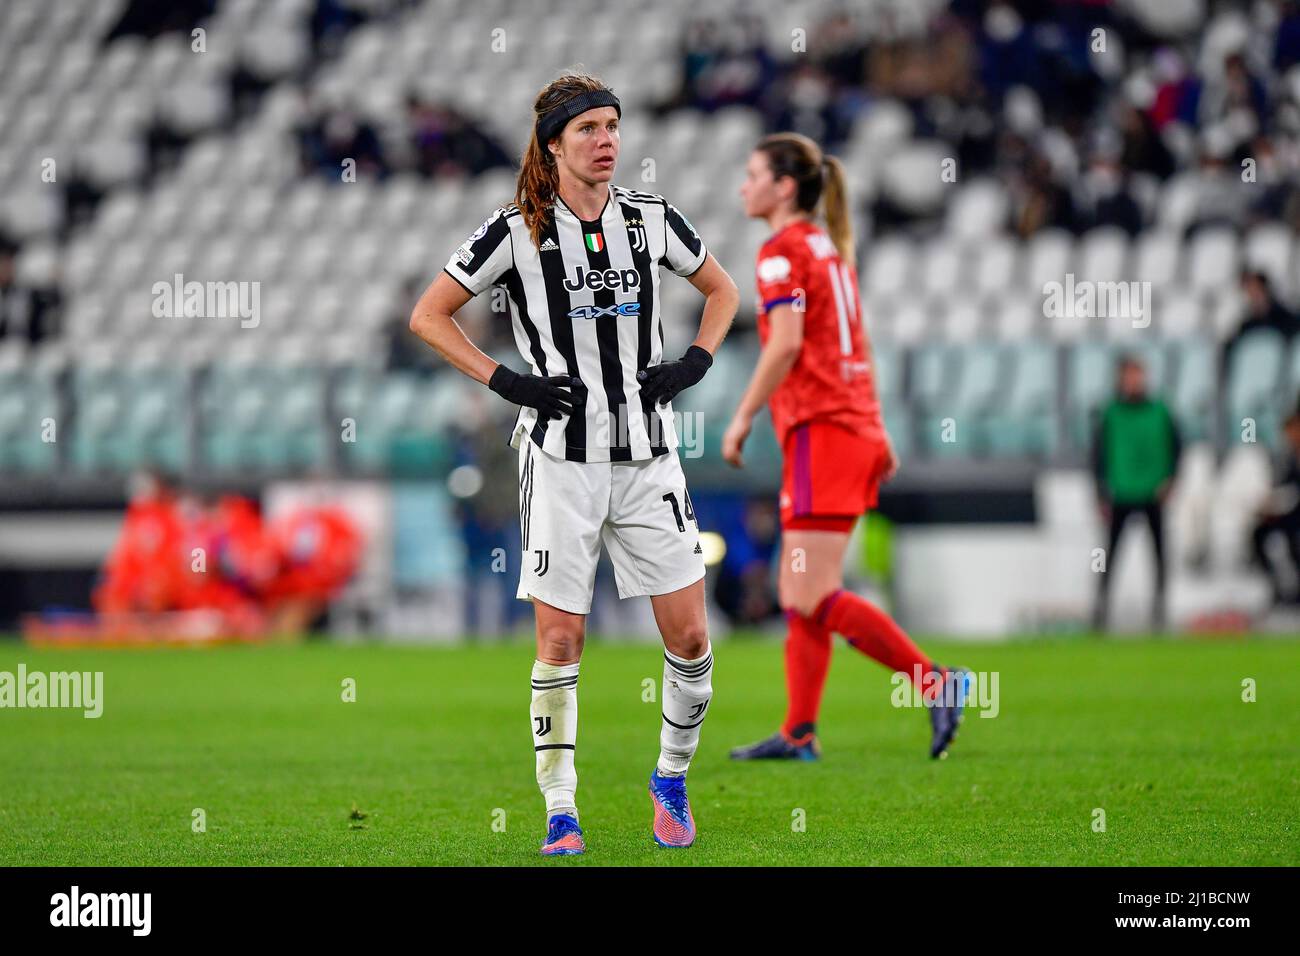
[[660, 383], [774, 364], [892, 468], [721, 300], [433, 320]]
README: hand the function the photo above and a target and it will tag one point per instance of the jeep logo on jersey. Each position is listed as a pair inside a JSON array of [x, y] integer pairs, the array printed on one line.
[[595, 311], [623, 280]]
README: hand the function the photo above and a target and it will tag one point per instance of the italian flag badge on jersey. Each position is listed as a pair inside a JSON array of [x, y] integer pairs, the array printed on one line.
[[595, 241]]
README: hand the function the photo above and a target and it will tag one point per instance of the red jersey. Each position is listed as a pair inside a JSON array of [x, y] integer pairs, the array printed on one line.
[[831, 380]]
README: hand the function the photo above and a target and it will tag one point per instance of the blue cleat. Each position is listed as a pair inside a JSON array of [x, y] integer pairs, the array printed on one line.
[[673, 824], [563, 837], [778, 747], [945, 709]]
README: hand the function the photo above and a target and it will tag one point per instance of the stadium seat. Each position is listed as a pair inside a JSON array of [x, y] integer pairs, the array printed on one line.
[[1104, 255], [1178, 314], [1212, 259], [889, 268], [977, 211], [995, 261], [1194, 392], [1158, 257], [1254, 385], [1269, 249], [1024, 422]]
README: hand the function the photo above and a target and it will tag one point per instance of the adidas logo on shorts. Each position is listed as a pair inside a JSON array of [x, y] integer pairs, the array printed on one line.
[[698, 549]]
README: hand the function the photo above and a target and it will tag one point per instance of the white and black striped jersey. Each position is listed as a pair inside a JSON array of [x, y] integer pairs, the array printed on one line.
[[586, 304]]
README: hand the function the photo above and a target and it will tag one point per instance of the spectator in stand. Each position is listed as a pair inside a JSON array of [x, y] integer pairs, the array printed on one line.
[[326, 140], [1280, 514], [1177, 92], [445, 142], [26, 313], [1105, 199], [1263, 312], [1143, 150], [1038, 201], [723, 64], [1235, 97], [1286, 45], [1219, 194]]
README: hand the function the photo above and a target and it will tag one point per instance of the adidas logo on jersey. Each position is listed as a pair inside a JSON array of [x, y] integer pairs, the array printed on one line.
[[548, 246]]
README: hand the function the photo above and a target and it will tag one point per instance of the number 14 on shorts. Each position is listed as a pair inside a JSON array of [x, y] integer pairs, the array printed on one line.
[[671, 498]]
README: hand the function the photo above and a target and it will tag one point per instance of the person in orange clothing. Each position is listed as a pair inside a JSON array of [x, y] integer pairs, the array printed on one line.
[[146, 570], [210, 530], [245, 552], [318, 550]]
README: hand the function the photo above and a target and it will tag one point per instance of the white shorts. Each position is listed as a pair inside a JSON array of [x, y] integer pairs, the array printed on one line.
[[640, 509]]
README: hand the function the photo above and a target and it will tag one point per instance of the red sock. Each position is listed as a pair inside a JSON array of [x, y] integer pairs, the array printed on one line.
[[871, 631], [807, 659]]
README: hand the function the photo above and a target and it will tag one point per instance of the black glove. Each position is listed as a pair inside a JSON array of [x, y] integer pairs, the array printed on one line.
[[552, 396], [662, 382]]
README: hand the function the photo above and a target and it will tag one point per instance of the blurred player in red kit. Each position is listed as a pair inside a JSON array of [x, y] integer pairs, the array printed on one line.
[[815, 374]]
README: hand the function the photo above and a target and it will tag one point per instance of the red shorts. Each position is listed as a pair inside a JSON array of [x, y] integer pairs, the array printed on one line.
[[830, 476]]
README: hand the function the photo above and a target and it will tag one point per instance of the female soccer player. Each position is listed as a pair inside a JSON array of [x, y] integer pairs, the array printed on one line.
[[815, 374], [579, 260]]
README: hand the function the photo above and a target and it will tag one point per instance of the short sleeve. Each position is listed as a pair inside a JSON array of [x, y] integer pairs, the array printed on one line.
[[684, 250], [780, 277], [485, 256]]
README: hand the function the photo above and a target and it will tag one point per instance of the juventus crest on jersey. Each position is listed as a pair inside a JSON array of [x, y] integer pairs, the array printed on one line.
[[586, 304]]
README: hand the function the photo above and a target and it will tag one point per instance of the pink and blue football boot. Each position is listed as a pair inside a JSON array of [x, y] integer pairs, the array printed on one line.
[[563, 837], [673, 824]]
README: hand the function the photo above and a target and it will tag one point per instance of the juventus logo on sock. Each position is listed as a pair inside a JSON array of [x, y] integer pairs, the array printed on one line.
[[688, 690], [554, 713], [543, 563]]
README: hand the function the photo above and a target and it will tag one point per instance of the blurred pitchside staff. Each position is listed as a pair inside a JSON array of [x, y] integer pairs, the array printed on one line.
[[1134, 458]]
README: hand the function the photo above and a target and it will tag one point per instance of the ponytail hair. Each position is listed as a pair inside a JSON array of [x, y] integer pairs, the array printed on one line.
[[538, 184], [835, 207], [820, 185]]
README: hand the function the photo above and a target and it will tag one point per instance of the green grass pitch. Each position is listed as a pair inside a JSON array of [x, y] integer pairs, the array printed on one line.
[[436, 749]]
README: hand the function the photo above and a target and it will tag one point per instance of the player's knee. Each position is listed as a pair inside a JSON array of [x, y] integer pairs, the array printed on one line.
[[560, 642], [803, 607], [804, 601], [787, 596], [691, 641]]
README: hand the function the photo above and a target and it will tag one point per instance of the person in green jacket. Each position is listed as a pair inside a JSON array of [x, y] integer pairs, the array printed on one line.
[[1134, 457]]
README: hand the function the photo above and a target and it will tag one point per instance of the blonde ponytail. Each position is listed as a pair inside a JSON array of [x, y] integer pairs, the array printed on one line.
[[835, 207]]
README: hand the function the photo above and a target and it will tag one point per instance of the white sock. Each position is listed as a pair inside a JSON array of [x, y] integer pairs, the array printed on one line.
[[554, 713], [687, 690]]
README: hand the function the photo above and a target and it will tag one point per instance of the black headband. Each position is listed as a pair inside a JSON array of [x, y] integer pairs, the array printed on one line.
[[553, 121]]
